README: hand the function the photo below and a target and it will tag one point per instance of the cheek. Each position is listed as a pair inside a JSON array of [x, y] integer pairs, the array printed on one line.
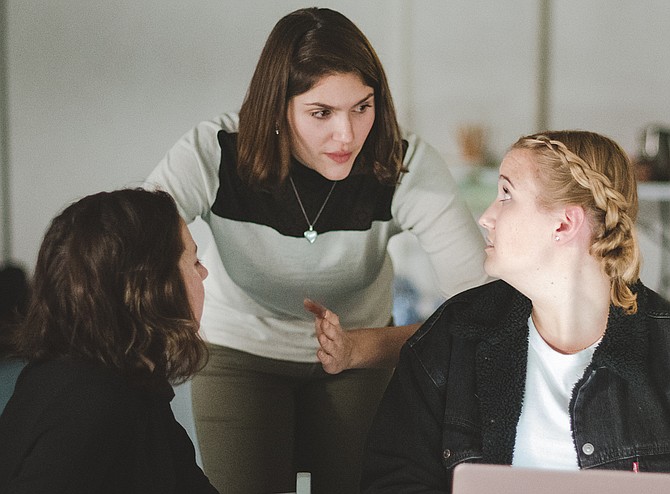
[[509, 236], [196, 295], [304, 128], [364, 127], [196, 286], [303, 139]]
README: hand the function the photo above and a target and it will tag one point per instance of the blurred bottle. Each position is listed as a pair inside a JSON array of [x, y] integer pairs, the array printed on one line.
[[655, 152]]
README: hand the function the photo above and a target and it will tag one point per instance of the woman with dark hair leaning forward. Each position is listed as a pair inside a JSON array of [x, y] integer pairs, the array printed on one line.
[[564, 362], [113, 321], [302, 193]]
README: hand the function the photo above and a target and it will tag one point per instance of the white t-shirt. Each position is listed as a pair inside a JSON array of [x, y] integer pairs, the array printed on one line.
[[543, 434]]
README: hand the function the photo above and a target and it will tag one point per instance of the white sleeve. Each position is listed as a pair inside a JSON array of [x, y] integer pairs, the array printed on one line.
[[428, 204], [189, 172]]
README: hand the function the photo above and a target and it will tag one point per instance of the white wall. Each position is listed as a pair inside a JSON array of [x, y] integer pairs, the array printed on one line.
[[99, 89]]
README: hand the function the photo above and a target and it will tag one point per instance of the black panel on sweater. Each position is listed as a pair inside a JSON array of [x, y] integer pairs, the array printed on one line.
[[355, 203]]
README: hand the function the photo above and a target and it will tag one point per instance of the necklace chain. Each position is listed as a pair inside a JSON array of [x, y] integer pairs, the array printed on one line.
[[310, 234]]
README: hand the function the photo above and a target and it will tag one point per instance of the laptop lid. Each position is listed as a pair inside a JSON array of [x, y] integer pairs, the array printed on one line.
[[477, 478]]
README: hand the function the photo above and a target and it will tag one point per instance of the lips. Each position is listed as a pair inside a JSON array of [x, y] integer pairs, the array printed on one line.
[[339, 157]]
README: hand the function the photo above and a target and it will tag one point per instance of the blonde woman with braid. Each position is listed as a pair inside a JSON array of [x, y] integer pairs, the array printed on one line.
[[563, 362]]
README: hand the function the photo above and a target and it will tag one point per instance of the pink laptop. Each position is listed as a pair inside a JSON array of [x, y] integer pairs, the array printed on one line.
[[476, 478]]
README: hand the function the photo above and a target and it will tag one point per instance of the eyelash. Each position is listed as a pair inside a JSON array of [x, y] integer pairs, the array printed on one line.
[[321, 114], [362, 108]]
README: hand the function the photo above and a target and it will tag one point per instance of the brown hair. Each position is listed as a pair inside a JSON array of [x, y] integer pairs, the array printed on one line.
[[593, 171], [303, 47], [107, 288], [14, 295]]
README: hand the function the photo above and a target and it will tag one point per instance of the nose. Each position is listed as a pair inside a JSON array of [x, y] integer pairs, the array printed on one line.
[[487, 219], [344, 131]]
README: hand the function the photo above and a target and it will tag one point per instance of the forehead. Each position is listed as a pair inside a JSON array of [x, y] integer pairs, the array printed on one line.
[[187, 239], [347, 87], [521, 169]]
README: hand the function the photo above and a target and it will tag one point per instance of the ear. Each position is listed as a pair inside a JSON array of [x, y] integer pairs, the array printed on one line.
[[572, 221]]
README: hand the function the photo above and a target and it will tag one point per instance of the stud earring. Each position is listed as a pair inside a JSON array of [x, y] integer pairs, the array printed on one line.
[[557, 238], [276, 129]]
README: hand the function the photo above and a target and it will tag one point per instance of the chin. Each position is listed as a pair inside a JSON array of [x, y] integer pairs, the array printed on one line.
[[337, 174], [490, 269]]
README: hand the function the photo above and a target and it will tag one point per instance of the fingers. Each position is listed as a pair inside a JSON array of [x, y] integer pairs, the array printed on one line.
[[330, 340], [334, 348], [328, 362], [324, 341], [315, 308], [329, 327], [327, 321], [323, 357]]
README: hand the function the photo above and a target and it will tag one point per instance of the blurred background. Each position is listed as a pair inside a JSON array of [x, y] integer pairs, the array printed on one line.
[[94, 92]]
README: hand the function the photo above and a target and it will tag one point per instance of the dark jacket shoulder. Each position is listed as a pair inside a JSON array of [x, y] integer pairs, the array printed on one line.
[[657, 306], [473, 314]]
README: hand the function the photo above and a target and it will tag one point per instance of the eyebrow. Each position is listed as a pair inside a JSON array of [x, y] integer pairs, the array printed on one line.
[[505, 177], [329, 107]]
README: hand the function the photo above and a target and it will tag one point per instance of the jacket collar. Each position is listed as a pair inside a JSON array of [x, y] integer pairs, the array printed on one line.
[[625, 346], [495, 318], [503, 312], [491, 313]]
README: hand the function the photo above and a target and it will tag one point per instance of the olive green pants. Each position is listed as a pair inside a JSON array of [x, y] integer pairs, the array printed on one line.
[[259, 421]]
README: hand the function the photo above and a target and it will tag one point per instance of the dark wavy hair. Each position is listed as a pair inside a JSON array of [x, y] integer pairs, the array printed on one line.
[[107, 288], [303, 47]]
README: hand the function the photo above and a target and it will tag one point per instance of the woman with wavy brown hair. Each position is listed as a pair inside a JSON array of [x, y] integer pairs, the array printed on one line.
[[116, 301], [303, 191], [563, 362]]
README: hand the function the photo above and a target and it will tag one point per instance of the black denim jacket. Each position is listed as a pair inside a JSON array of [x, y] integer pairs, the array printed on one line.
[[457, 392]]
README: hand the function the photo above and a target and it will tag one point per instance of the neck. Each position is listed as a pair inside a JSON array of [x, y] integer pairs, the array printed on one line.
[[570, 312], [571, 338]]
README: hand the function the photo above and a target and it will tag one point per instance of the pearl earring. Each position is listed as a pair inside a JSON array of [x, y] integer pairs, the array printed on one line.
[[557, 238]]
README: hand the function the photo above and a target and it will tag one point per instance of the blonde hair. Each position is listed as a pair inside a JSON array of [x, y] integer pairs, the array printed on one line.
[[594, 172]]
